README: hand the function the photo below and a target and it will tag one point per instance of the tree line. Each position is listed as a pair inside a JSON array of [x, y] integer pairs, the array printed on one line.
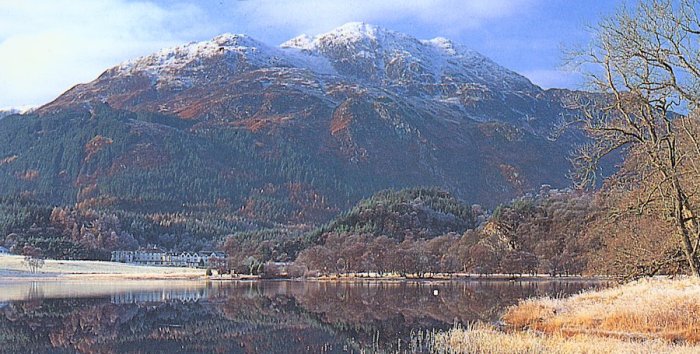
[[542, 233]]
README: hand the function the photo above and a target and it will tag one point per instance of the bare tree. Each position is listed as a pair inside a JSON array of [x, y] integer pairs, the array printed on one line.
[[33, 258], [645, 63]]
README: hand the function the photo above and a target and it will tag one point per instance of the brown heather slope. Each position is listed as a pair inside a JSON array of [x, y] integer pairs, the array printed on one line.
[[398, 141]]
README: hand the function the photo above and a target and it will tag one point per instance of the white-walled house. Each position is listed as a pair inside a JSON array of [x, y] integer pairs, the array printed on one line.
[[158, 257], [123, 256], [147, 256]]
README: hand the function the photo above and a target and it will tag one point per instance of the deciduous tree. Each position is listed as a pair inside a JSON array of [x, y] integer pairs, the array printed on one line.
[[644, 63]]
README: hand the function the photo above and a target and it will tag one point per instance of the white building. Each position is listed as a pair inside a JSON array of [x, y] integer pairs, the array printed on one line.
[[123, 256], [150, 256], [158, 257]]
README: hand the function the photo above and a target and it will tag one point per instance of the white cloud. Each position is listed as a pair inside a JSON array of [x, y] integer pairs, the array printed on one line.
[[315, 16], [48, 46]]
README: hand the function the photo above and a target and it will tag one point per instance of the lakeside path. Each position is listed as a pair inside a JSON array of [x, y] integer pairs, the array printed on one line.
[[12, 268]]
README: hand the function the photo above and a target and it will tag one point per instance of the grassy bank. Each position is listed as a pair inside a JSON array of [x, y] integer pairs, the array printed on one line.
[[12, 267], [647, 316]]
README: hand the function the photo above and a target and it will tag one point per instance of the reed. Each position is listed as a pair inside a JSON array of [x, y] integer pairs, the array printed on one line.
[[645, 316], [484, 339], [646, 309]]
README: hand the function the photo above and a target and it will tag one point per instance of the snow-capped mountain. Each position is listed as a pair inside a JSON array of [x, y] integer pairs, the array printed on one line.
[[437, 71], [438, 66], [353, 51], [224, 56], [342, 114]]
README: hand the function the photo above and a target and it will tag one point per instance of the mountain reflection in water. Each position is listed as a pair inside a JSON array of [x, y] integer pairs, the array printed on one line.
[[250, 317]]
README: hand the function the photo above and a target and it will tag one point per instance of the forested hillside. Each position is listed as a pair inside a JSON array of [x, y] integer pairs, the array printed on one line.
[[545, 233], [233, 143], [141, 161]]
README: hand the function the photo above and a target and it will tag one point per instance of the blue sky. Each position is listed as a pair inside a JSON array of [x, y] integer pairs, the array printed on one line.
[[47, 46]]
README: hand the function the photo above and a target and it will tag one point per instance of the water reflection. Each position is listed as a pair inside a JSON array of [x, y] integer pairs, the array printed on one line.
[[251, 317]]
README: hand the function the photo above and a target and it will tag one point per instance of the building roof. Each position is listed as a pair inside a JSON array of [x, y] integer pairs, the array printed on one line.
[[200, 254], [212, 253], [150, 250]]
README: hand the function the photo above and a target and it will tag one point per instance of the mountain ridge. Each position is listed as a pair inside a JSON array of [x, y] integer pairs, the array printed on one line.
[[290, 134], [442, 72]]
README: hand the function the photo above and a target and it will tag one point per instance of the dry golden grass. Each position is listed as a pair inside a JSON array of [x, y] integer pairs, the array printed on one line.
[[647, 309], [480, 339], [646, 316]]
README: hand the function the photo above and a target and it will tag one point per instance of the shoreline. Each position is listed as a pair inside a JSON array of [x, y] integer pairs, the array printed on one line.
[[124, 277], [12, 269], [58, 277], [466, 278]]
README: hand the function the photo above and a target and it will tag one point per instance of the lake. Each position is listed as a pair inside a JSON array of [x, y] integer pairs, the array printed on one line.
[[249, 317]]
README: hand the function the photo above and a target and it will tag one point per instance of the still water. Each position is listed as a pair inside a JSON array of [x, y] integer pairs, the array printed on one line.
[[248, 317]]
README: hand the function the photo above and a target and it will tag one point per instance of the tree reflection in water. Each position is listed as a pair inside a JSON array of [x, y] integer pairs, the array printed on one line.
[[259, 317]]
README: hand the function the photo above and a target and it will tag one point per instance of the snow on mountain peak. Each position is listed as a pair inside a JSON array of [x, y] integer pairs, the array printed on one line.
[[360, 36], [354, 50], [304, 42], [352, 32], [182, 66], [356, 31], [235, 40], [443, 44], [180, 56], [370, 52]]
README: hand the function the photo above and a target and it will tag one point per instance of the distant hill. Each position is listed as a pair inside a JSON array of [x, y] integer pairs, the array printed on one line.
[[410, 216], [410, 213], [418, 231]]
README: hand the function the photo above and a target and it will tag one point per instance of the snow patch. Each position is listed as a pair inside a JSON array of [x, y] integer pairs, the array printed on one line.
[[170, 59], [179, 67], [303, 42], [355, 52]]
